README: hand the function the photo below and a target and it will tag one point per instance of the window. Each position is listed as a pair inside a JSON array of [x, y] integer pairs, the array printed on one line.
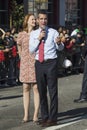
[[3, 5], [72, 12], [3, 18], [34, 5], [3, 13]]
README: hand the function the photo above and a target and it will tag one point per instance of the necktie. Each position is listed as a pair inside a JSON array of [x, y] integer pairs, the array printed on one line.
[[41, 51]]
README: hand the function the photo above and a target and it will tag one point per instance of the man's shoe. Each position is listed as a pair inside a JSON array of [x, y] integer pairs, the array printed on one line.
[[49, 123], [80, 100], [42, 122]]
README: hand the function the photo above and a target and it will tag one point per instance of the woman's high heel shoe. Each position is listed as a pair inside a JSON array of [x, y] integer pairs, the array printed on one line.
[[25, 121]]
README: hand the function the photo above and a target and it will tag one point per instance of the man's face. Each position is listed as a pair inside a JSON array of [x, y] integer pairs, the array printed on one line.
[[42, 20]]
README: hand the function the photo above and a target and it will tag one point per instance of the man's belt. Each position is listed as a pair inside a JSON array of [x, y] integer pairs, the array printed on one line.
[[47, 60]]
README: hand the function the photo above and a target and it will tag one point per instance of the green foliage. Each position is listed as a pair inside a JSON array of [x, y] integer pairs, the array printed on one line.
[[17, 13]]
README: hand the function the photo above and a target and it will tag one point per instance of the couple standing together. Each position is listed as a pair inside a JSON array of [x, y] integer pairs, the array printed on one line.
[[39, 75]]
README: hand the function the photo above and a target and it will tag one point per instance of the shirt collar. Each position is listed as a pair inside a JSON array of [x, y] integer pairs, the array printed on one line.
[[45, 29]]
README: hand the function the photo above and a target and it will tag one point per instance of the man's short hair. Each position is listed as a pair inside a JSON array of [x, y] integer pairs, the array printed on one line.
[[42, 11]]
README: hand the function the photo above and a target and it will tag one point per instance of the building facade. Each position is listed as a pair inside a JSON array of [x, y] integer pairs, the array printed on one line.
[[4, 13], [60, 12]]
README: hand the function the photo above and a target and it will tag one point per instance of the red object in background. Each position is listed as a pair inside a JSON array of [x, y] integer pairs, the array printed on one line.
[[14, 51], [2, 57], [69, 45]]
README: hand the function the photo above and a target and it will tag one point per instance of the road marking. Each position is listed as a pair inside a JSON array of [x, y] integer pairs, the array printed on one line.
[[69, 122], [60, 126]]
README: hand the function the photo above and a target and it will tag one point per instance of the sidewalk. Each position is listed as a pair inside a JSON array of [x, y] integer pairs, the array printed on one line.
[[71, 116]]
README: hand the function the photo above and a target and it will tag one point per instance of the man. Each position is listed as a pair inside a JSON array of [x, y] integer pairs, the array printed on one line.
[[46, 70]]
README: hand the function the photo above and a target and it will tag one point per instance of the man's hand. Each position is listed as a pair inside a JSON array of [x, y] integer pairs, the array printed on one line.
[[42, 35], [58, 40]]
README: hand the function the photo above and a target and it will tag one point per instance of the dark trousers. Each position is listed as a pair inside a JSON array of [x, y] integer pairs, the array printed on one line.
[[11, 71], [2, 72], [84, 82], [46, 75]]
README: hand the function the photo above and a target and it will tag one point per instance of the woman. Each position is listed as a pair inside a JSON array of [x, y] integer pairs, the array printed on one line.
[[27, 70]]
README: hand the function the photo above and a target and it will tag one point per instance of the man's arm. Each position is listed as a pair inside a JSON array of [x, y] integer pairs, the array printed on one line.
[[33, 43], [3, 33]]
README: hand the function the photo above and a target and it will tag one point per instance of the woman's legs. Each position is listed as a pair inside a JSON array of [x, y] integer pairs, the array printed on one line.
[[36, 102], [26, 100]]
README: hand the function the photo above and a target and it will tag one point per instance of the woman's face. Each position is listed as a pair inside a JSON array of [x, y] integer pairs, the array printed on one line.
[[32, 21]]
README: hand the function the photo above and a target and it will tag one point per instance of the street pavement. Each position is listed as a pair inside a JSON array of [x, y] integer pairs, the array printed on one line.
[[71, 116]]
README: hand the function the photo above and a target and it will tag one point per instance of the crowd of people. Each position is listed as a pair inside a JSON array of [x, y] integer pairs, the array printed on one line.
[[21, 63], [74, 51], [9, 58]]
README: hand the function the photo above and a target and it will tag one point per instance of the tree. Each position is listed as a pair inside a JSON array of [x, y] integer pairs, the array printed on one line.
[[16, 12]]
